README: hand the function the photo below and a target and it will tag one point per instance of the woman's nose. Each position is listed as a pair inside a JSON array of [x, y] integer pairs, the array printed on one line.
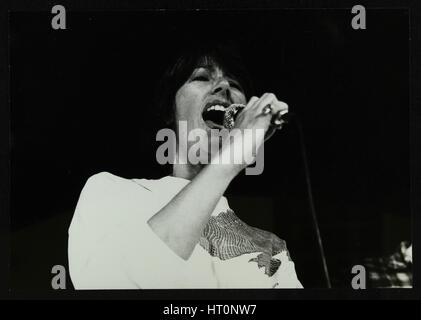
[[222, 87]]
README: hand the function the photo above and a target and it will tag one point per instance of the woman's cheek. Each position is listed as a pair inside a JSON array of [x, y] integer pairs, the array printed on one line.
[[240, 98]]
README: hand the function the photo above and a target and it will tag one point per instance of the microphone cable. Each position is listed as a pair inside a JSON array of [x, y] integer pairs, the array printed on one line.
[[311, 201]]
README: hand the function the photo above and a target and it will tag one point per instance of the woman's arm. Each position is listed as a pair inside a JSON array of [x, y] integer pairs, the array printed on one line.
[[180, 223]]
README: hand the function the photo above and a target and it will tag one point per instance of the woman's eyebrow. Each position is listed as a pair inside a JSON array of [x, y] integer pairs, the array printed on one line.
[[234, 79], [212, 68]]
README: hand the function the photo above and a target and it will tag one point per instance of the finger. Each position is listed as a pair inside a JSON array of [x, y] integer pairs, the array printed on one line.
[[269, 99], [251, 102], [264, 100], [279, 107], [276, 108]]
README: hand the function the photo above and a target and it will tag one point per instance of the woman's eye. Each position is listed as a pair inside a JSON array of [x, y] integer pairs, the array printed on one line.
[[236, 86], [201, 78]]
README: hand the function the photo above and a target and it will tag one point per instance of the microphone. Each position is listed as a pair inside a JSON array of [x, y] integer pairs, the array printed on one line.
[[232, 112]]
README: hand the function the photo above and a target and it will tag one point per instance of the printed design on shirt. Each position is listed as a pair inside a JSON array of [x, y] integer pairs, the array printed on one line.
[[226, 236], [270, 264]]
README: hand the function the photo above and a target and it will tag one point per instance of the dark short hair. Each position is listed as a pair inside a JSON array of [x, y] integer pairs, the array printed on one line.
[[225, 56]]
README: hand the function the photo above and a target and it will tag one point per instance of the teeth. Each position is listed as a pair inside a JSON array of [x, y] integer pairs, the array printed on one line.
[[217, 107]]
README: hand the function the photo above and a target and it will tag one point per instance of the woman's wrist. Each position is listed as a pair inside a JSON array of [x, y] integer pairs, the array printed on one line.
[[224, 171]]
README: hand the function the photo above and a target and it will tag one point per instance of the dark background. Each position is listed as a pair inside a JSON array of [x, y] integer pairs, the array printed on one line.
[[81, 102]]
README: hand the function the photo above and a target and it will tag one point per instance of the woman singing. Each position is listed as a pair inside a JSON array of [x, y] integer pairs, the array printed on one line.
[[179, 231]]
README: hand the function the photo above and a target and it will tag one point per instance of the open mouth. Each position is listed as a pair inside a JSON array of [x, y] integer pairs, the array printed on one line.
[[213, 114]]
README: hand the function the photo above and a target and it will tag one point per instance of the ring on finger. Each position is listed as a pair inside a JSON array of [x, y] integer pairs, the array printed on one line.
[[267, 109]]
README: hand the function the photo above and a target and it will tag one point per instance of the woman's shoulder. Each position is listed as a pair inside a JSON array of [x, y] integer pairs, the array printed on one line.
[[106, 186], [110, 197], [101, 181], [105, 178], [106, 183]]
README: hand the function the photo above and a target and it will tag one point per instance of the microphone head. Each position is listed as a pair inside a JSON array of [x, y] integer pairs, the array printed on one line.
[[231, 114]]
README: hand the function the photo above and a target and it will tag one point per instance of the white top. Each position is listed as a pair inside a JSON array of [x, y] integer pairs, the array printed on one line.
[[111, 246]]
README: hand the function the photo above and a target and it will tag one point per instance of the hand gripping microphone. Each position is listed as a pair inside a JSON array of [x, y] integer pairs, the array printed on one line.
[[277, 121]]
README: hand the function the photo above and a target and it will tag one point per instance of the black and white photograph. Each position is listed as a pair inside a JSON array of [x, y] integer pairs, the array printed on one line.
[[229, 148]]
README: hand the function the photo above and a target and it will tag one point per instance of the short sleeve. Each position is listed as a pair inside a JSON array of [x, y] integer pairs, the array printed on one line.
[[111, 246]]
